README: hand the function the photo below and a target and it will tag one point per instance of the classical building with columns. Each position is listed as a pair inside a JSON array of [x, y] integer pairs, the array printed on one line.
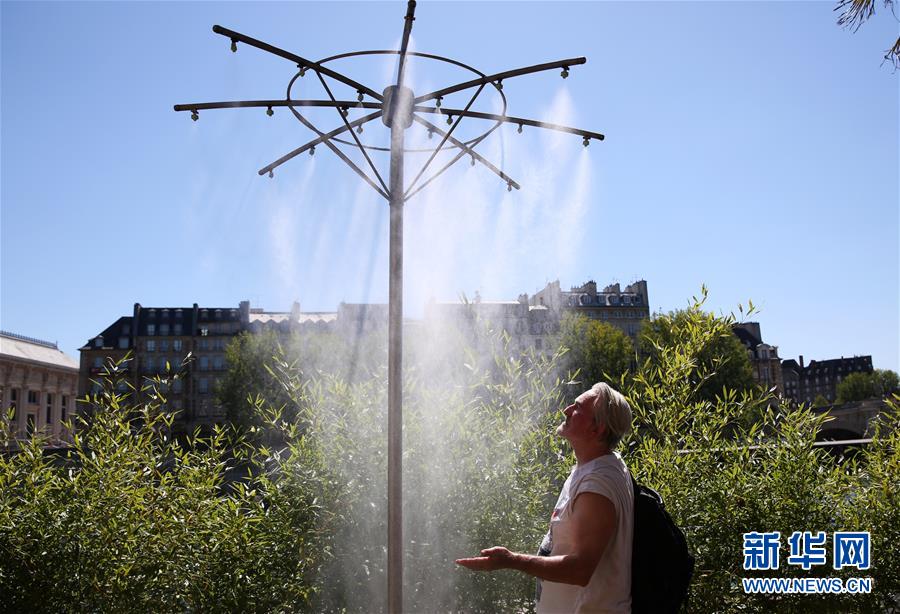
[[39, 382]]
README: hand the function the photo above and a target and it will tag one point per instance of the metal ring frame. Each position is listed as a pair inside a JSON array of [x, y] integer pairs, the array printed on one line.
[[430, 56]]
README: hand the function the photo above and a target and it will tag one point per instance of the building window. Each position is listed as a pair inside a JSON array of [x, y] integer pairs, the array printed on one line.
[[163, 345], [218, 314], [151, 313], [204, 332], [219, 362], [49, 408], [163, 329], [150, 345], [176, 345], [123, 343], [177, 385], [148, 364], [164, 313], [151, 330], [33, 397], [204, 385], [204, 363], [98, 362], [98, 342], [178, 329], [204, 344]]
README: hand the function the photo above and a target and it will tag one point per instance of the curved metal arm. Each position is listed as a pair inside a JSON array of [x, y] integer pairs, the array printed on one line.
[[409, 188], [326, 136], [343, 114], [509, 180], [412, 192], [507, 74], [238, 104], [300, 61], [511, 120]]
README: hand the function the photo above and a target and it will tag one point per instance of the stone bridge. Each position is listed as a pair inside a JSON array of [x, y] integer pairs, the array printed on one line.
[[851, 420]]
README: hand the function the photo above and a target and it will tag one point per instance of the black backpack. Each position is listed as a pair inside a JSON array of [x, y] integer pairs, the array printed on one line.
[[661, 566]]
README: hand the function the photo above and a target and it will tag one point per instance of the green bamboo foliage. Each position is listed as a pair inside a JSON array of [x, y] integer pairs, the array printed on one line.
[[291, 516]]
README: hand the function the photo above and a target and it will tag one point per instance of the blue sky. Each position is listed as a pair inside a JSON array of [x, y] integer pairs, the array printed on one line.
[[751, 147]]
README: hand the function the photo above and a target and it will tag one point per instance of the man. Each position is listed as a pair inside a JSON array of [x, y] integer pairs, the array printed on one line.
[[585, 559]]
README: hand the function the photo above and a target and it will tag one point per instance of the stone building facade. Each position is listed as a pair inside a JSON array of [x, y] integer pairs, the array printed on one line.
[[625, 309], [803, 383], [764, 358], [157, 340], [39, 382], [534, 322], [528, 326]]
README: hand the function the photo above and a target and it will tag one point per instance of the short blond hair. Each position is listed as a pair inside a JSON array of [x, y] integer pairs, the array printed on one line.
[[611, 409]]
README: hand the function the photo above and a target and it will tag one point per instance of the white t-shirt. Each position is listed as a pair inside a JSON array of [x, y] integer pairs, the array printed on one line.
[[609, 589]]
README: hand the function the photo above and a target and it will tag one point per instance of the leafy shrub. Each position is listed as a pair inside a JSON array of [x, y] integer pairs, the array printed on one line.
[[131, 521]]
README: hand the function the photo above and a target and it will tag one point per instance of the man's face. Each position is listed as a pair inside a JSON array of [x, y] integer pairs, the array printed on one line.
[[579, 423]]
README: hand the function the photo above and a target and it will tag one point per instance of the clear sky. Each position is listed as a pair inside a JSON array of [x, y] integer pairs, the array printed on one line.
[[751, 147]]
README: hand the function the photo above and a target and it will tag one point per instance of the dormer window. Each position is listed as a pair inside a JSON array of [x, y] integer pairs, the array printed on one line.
[[151, 313], [165, 313], [98, 341], [218, 314]]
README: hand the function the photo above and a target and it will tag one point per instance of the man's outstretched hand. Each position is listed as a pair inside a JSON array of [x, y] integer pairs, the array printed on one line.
[[497, 557]]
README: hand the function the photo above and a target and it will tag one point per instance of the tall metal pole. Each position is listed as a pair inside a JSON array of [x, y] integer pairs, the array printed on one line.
[[400, 110], [395, 387]]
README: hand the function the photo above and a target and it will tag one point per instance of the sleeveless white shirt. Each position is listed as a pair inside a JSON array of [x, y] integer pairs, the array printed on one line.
[[609, 589]]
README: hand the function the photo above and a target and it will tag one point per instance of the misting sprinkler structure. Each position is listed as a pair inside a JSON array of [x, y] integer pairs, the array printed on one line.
[[398, 107]]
